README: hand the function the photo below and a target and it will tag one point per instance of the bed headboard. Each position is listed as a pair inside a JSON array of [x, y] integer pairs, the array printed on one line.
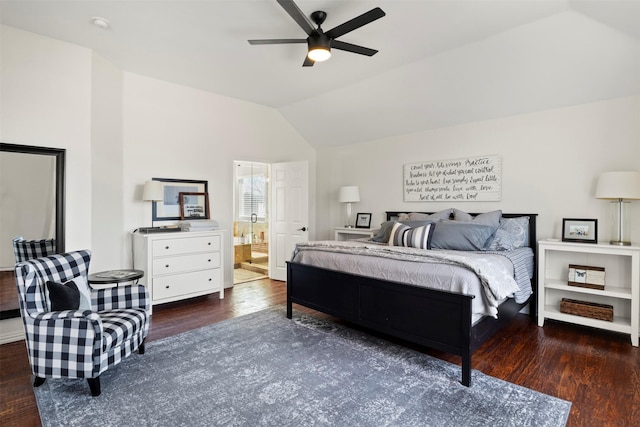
[[533, 240], [533, 244]]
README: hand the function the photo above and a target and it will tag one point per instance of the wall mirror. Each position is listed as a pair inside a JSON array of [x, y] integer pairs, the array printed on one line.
[[31, 206]]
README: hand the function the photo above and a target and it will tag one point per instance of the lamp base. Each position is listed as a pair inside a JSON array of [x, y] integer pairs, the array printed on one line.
[[619, 243]]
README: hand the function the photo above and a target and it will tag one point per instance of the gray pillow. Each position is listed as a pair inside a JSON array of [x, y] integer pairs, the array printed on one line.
[[461, 236], [418, 216], [383, 234], [512, 234], [489, 218]]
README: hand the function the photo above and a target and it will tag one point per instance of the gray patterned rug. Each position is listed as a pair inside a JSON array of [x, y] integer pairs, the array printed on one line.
[[263, 369]]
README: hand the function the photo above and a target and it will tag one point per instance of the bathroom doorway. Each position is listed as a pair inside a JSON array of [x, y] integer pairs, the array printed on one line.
[[251, 221]]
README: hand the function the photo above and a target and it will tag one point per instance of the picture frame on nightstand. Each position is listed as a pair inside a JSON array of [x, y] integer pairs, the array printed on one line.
[[580, 230], [363, 220]]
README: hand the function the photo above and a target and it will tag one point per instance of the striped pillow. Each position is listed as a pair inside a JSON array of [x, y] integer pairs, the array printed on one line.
[[419, 237]]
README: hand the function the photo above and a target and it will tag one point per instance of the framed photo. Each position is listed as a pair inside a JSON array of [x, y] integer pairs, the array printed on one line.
[[580, 230], [363, 220], [194, 205], [168, 209]]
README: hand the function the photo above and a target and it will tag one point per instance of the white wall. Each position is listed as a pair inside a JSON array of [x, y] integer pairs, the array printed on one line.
[[550, 164], [172, 131], [107, 201], [46, 101]]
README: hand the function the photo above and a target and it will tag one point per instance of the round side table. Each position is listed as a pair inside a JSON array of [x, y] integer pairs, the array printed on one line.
[[115, 276]]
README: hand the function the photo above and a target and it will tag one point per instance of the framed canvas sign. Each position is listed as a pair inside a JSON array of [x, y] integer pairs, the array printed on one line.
[[471, 179], [194, 205], [168, 209], [580, 230]]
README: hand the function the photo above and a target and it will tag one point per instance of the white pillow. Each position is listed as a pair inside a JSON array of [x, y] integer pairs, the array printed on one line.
[[85, 292]]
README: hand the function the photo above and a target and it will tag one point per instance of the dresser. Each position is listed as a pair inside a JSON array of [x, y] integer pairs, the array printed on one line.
[[180, 265]]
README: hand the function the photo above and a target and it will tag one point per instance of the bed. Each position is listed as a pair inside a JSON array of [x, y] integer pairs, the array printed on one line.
[[415, 312]]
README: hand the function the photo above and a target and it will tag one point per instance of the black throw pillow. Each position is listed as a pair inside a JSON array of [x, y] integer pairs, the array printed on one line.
[[63, 296]]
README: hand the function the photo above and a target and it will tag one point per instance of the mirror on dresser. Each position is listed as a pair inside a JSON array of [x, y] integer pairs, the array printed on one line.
[[31, 206]]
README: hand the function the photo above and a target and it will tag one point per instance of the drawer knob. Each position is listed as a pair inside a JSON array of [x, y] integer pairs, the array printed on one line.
[[209, 278], [209, 260], [166, 247], [167, 266], [209, 243], [167, 287]]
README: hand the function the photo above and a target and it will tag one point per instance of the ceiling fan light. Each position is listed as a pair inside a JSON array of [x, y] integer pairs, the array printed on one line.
[[319, 54]]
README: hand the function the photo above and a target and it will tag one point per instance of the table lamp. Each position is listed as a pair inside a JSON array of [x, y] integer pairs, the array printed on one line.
[[349, 194], [619, 186], [152, 192]]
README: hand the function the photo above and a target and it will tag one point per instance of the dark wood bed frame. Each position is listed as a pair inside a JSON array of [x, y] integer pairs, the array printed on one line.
[[436, 319]]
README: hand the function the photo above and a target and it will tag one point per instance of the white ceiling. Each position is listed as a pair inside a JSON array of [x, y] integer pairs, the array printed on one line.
[[440, 62]]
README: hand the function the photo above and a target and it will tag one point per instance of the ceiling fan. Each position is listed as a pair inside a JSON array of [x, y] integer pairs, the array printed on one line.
[[320, 42]]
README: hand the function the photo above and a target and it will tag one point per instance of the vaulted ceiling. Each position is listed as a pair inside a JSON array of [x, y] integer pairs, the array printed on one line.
[[440, 62]]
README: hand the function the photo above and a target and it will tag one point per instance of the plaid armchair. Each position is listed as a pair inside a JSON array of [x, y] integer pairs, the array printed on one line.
[[29, 249], [78, 343]]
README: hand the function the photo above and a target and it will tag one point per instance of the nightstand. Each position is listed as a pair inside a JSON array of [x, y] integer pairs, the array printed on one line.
[[622, 283], [344, 233]]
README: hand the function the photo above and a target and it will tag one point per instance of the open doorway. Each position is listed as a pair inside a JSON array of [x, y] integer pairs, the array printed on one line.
[[251, 221]]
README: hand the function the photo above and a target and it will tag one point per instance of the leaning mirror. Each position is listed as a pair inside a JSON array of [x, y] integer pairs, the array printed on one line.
[[31, 206]]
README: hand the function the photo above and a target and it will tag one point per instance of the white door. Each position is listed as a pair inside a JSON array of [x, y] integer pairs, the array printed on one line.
[[289, 215]]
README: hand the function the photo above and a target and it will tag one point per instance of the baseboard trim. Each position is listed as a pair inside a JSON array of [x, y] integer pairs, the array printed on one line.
[[13, 337]]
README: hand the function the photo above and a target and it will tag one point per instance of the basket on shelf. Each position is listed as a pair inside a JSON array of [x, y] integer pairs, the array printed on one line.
[[587, 309]]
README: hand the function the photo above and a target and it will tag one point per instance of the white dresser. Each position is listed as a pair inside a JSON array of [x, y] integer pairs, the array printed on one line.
[[180, 265]]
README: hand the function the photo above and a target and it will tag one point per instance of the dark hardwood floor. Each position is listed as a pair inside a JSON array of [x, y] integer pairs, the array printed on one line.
[[598, 371], [8, 291]]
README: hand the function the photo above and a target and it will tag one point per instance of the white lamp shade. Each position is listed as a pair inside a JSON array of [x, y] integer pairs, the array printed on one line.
[[152, 191], [618, 185], [349, 193]]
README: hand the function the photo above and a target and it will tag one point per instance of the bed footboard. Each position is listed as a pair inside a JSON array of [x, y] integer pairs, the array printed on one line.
[[436, 319]]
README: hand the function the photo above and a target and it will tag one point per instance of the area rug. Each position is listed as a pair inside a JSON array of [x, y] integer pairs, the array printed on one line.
[[263, 369]]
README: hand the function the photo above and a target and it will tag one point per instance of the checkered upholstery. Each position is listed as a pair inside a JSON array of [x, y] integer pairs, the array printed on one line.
[[29, 249], [75, 343]]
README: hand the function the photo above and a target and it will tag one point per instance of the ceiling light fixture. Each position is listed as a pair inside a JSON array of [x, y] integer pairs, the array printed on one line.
[[319, 48], [100, 22]]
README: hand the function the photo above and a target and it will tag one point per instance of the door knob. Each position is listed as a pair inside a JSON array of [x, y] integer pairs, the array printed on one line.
[[302, 229]]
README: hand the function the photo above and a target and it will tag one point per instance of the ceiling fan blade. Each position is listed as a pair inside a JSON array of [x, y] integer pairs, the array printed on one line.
[[337, 44], [277, 41], [355, 23], [308, 62], [297, 15]]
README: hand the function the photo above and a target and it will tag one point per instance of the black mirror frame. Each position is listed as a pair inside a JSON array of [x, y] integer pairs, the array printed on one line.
[[59, 154]]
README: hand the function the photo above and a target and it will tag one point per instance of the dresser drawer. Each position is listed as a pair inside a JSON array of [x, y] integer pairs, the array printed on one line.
[[173, 286], [185, 245], [183, 263]]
